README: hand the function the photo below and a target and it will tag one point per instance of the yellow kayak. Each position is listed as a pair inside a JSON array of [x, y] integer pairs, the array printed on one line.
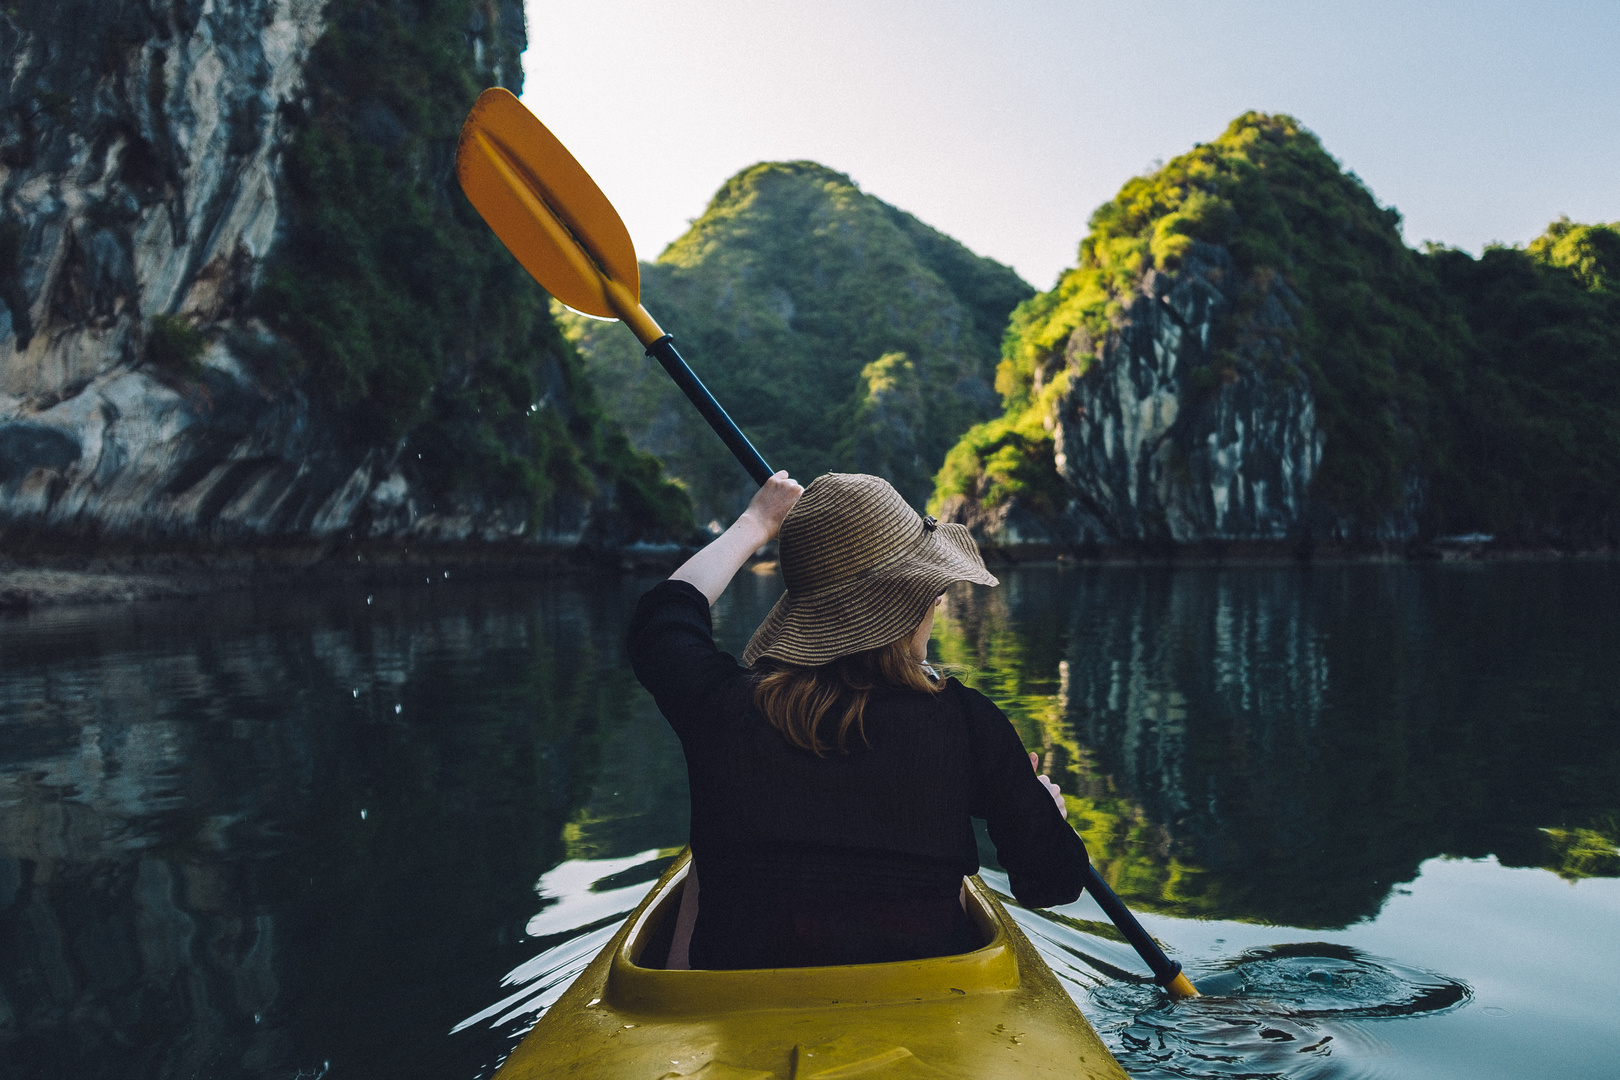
[[997, 1012]]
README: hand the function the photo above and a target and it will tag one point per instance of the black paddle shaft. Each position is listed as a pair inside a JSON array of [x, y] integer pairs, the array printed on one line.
[[1165, 969], [663, 350]]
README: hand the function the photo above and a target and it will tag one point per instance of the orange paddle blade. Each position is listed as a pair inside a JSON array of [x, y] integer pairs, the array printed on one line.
[[544, 206]]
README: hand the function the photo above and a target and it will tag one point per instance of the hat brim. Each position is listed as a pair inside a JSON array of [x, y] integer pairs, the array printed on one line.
[[872, 609]]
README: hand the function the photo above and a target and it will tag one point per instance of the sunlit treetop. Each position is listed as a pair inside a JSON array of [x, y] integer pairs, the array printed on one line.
[[1590, 252]]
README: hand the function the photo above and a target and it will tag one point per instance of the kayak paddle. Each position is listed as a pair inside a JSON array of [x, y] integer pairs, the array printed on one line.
[[1166, 972], [551, 215]]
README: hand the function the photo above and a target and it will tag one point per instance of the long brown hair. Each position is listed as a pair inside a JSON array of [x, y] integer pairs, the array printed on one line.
[[795, 699]]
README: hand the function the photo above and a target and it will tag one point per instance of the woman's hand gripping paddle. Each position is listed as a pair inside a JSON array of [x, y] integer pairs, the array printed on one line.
[[551, 215]]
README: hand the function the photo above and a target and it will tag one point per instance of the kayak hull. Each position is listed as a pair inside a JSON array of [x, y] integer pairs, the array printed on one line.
[[994, 1013]]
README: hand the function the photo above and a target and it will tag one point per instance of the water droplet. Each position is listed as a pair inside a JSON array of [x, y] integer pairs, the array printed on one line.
[[396, 710], [362, 814], [368, 599], [357, 692]]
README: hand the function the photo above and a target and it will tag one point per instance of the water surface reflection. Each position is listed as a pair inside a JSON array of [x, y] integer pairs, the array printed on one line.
[[265, 836], [364, 836], [1288, 745]]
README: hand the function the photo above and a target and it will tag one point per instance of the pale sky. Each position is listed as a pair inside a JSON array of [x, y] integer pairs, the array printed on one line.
[[1004, 124]]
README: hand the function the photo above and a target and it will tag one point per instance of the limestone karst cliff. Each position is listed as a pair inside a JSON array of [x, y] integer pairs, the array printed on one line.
[[1240, 464], [243, 299], [1248, 353]]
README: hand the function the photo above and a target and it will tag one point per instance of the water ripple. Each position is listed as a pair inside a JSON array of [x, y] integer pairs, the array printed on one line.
[[1292, 1010], [1317, 979]]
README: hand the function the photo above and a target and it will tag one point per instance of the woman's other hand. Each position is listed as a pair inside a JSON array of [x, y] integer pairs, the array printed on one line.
[[772, 502], [1046, 782]]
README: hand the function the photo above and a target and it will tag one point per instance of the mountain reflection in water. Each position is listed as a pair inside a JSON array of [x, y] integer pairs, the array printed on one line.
[[1287, 746], [270, 835], [253, 837]]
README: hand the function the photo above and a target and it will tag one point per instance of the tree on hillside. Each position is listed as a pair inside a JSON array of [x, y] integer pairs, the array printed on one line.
[[791, 296]]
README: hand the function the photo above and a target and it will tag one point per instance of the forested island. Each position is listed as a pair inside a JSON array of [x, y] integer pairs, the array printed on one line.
[[842, 333], [243, 304], [1246, 359], [1248, 352]]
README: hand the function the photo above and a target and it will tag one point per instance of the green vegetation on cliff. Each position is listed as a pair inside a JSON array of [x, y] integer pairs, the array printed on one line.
[[1539, 424], [1591, 254], [407, 315], [840, 332], [1408, 353]]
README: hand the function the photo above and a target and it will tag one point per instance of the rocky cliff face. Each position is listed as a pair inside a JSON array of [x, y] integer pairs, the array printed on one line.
[[1150, 458], [146, 391], [140, 181]]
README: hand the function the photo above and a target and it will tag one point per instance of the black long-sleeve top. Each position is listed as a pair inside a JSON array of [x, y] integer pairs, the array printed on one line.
[[847, 858]]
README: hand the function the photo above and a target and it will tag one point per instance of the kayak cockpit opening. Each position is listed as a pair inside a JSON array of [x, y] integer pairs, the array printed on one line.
[[650, 948], [656, 939]]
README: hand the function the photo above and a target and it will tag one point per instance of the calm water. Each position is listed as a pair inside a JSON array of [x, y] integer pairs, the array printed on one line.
[[1374, 810]]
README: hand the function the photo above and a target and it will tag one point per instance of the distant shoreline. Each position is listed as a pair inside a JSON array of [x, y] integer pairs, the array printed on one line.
[[39, 579], [1277, 554]]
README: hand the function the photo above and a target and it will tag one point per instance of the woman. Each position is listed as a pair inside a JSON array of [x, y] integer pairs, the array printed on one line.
[[833, 774]]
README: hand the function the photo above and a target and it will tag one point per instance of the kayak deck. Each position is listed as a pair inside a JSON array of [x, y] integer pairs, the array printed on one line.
[[997, 1012]]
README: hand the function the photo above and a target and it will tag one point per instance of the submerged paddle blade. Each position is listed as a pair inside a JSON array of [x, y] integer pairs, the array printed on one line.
[[1182, 987], [544, 206]]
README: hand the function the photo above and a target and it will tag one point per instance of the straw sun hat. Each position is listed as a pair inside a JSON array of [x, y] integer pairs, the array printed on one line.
[[862, 569]]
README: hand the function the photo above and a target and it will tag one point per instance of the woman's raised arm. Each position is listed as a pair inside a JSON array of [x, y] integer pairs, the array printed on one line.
[[712, 569]]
